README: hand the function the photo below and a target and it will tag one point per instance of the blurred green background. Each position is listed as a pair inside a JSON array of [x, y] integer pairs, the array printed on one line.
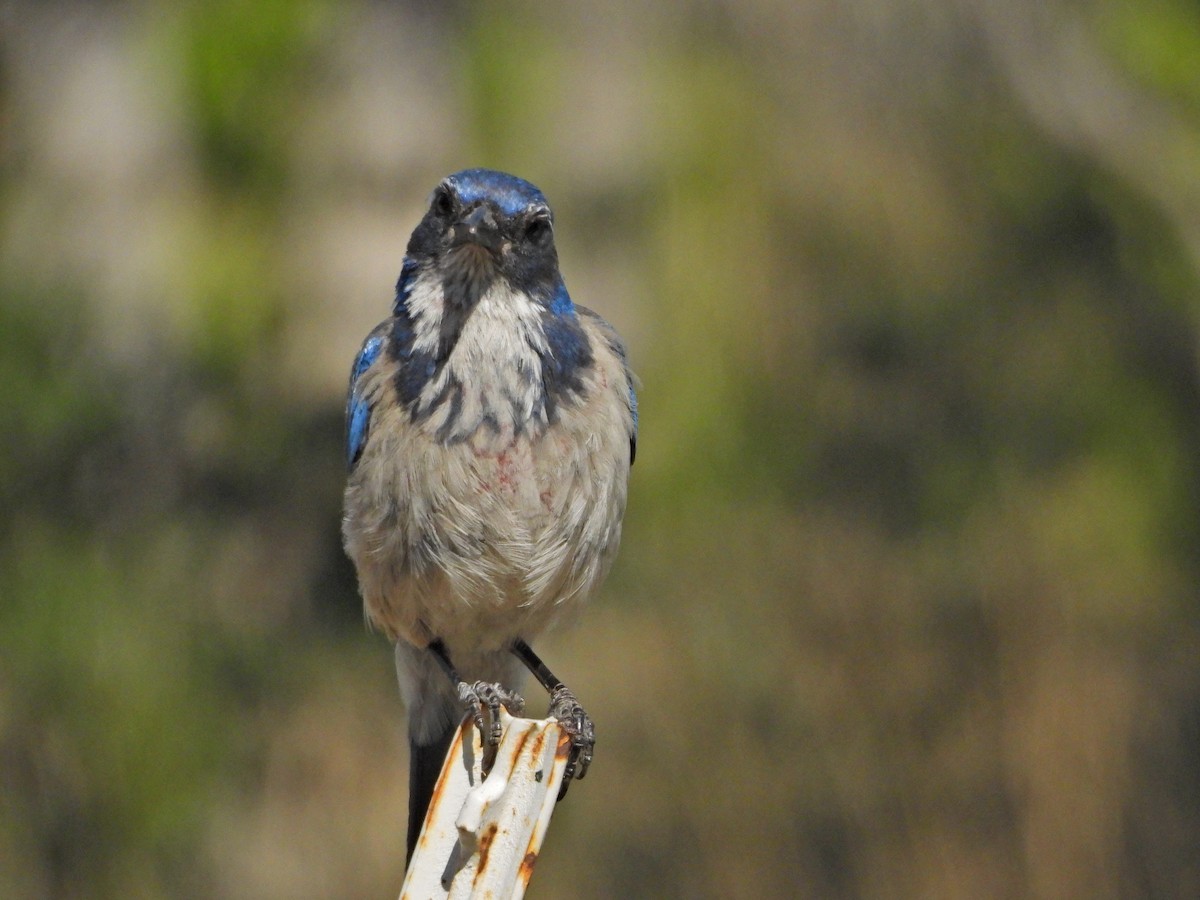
[[907, 605]]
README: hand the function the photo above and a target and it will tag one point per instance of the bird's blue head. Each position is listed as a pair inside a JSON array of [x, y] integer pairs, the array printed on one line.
[[482, 226], [512, 195]]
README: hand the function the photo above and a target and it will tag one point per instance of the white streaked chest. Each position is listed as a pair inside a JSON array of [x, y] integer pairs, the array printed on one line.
[[490, 388]]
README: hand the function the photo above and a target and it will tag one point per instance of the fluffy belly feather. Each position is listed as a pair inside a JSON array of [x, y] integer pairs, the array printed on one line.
[[481, 541]]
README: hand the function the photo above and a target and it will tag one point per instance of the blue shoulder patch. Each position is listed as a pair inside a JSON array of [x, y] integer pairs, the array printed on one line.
[[568, 352], [560, 301], [358, 410]]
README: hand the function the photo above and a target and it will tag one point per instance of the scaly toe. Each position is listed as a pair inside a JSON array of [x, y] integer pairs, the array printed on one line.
[[578, 724], [488, 696]]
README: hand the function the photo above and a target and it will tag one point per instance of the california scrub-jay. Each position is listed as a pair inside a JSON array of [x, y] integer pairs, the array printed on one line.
[[490, 428]]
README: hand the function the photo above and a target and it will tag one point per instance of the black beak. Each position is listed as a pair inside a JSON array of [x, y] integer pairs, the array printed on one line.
[[477, 227]]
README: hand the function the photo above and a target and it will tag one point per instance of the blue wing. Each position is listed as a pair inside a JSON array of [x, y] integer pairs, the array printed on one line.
[[632, 409], [358, 408]]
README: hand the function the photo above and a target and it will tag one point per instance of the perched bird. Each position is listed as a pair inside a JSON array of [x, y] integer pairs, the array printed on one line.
[[490, 428]]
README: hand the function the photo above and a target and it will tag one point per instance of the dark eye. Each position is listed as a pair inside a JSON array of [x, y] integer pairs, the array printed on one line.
[[442, 203], [539, 231]]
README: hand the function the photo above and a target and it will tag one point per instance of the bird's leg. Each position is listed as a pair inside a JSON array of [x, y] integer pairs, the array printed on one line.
[[478, 696], [566, 709]]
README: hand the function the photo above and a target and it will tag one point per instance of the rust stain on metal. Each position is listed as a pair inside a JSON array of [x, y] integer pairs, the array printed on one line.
[[525, 872], [485, 847], [539, 741], [563, 750], [519, 745], [438, 789]]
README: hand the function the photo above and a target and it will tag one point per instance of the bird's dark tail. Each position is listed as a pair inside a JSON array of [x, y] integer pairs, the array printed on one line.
[[425, 764]]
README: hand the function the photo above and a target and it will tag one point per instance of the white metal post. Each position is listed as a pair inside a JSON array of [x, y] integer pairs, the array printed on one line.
[[482, 836]]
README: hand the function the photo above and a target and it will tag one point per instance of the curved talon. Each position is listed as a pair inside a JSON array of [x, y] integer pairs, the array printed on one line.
[[490, 696], [578, 724]]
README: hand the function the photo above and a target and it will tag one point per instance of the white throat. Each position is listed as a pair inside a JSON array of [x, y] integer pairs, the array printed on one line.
[[492, 381]]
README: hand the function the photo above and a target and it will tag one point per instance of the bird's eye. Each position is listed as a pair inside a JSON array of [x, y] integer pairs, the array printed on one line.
[[539, 231], [442, 202]]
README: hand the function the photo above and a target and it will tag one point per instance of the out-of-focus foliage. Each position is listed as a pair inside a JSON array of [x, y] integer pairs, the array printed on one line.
[[907, 605]]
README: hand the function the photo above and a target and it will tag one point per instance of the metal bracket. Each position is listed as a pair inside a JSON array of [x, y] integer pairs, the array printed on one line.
[[482, 834]]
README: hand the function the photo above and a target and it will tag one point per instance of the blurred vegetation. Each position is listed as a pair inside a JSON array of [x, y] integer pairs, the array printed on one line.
[[907, 605]]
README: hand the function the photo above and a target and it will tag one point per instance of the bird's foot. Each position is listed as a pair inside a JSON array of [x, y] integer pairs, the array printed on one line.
[[578, 724], [486, 695]]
